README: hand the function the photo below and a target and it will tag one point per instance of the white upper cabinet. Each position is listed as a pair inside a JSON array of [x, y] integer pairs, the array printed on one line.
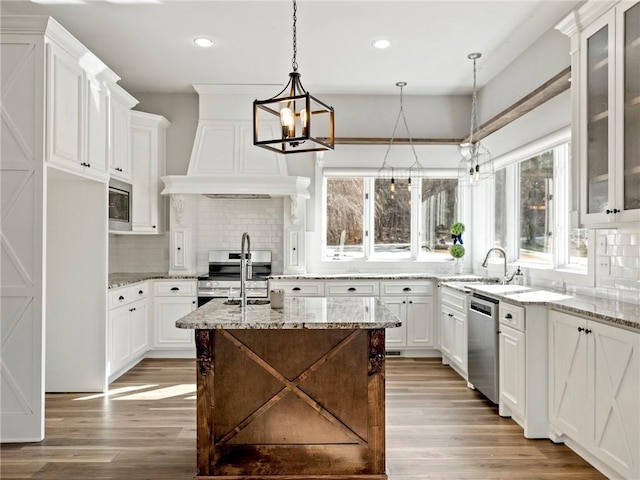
[[148, 139], [77, 112], [606, 113], [120, 104]]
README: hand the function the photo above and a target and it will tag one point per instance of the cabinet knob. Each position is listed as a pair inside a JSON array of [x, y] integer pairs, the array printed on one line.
[[615, 210], [174, 289], [193, 302], [410, 301], [179, 248], [153, 226], [580, 329], [404, 301], [508, 316], [498, 332], [587, 331], [120, 298], [140, 292], [450, 314]]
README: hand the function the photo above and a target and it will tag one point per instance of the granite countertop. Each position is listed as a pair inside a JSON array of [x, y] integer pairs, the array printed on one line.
[[298, 312], [624, 314], [123, 279], [443, 277]]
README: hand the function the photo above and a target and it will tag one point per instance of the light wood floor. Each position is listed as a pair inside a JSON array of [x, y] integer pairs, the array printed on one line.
[[436, 429]]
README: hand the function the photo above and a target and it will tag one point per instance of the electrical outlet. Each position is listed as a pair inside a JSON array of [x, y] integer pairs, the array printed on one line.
[[603, 266], [602, 243]]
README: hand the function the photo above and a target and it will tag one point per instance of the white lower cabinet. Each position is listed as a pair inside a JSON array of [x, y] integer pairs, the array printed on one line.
[[298, 288], [512, 369], [412, 301], [128, 324], [172, 301], [453, 329], [594, 389]]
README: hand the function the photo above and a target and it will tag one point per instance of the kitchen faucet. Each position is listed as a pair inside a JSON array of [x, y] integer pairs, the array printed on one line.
[[504, 256], [245, 267]]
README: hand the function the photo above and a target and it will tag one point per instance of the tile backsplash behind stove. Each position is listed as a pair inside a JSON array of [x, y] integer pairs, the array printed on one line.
[[221, 223]]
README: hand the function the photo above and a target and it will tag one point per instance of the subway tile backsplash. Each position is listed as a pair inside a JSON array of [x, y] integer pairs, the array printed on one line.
[[221, 223], [138, 253]]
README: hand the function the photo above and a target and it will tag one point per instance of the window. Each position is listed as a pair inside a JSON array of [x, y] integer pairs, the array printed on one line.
[[345, 210], [372, 219], [536, 208], [535, 227]]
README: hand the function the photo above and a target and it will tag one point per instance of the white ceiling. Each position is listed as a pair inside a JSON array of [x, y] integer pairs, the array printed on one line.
[[149, 44]]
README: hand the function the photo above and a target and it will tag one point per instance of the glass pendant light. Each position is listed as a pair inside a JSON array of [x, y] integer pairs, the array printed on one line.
[[476, 164]]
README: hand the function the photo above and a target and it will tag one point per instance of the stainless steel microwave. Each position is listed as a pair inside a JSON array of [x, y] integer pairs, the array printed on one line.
[[119, 205]]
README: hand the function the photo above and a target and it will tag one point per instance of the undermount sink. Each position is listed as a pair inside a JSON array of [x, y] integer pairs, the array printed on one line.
[[539, 296], [250, 301]]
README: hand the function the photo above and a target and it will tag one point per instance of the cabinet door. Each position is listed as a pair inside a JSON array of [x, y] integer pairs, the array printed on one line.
[[569, 405], [119, 342], [179, 244], [65, 93], [139, 327], [512, 368], [144, 155], [616, 390], [459, 340], [120, 156], [446, 328], [166, 311], [419, 322], [396, 337], [97, 129], [628, 93]]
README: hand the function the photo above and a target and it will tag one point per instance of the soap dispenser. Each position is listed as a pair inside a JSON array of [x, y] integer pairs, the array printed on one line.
[[518, 277]]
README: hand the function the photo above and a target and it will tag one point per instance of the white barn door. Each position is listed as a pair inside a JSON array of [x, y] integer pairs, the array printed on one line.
[[21, 237]]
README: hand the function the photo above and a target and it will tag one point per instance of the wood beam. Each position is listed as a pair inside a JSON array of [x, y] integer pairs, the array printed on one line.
[[548, 90]]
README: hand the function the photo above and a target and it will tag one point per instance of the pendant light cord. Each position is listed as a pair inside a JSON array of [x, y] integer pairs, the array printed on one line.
[[406, 126], [294, 62], [474, 101]]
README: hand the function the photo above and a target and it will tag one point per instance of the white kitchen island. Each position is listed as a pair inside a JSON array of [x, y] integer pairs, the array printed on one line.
[[292, 393]]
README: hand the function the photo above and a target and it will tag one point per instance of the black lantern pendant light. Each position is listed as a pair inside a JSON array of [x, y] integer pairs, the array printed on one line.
[[305, 123]]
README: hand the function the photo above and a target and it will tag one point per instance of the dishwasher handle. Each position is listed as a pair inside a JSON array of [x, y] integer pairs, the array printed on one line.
[[481, 308]]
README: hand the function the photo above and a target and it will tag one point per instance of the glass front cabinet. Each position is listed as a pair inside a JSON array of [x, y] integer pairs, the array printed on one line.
[[605, 47]]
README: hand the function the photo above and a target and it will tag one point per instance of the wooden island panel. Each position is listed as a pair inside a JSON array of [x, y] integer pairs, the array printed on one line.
[[290, 404]]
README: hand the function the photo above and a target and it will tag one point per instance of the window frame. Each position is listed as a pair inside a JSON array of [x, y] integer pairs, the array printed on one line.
[[560, 270], [370, 257]]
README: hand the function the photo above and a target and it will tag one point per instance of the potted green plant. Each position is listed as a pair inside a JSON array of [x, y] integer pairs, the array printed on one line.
[[457, 250]]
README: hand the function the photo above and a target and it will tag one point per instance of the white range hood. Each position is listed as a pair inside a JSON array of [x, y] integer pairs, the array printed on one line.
[[224, 161]]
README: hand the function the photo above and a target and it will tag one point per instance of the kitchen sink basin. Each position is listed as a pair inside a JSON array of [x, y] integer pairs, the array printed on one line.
[[538, 296], [250, 301]]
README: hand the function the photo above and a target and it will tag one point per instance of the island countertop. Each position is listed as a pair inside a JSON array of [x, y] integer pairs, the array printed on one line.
[[298, 313]]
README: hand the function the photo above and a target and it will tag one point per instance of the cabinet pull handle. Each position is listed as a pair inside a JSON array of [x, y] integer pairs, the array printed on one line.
[[140, 292], [406, 289], [295, 289], [508, 316], [450, 314], [498, 332], [193, 302], [580, 329], [352, 289], [133, 309], [120, 298], [587, 331], [174, 289]]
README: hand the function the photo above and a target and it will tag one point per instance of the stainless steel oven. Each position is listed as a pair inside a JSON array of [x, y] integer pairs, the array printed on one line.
[[120, 205], [223, 278]]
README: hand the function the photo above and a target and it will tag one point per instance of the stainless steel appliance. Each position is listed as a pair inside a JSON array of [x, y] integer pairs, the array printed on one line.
[[482, 354], [120, 205], [223, 279]]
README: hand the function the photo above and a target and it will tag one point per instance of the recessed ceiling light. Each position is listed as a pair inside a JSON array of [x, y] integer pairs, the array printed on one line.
[[381, 43], [203, 42]]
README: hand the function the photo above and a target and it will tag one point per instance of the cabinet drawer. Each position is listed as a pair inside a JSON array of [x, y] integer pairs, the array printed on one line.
[[351, 288], [130, 293], [453, 299], [299, 289], [512, 315], [407, 288], [175, 288]]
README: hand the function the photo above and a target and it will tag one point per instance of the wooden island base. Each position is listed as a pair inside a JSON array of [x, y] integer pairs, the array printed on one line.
[[290, 404]]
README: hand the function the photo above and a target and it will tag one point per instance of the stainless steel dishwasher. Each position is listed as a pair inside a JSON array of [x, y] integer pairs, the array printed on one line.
[[482, 353]]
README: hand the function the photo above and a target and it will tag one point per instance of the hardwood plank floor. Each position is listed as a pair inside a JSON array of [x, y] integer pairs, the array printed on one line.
[[145, 429]]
